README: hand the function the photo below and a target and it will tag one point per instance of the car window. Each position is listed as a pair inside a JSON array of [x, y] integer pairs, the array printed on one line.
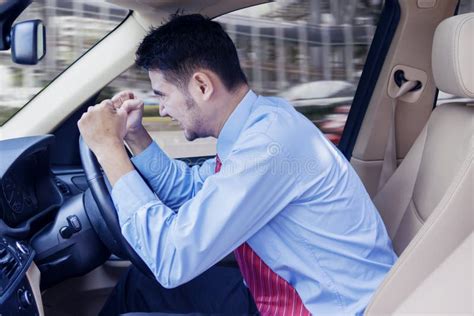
[[72, 27], [309, 52]]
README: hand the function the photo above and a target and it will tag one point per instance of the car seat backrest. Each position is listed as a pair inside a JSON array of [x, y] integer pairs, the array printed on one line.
[[428, 203]]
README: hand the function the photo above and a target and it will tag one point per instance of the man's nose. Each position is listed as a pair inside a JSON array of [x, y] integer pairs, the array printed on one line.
[[162, 110]]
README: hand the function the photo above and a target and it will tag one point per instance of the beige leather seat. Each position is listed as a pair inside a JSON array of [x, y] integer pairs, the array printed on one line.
[[428, 203]]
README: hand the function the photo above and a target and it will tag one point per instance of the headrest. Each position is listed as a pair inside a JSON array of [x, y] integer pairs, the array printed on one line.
[[452, 57]]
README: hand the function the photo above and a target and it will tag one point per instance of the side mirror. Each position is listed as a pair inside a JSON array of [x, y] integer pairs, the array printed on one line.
[[28, 42]]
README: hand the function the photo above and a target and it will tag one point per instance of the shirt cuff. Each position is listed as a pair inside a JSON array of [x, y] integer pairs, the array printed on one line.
[[130, 193], [152, 161]]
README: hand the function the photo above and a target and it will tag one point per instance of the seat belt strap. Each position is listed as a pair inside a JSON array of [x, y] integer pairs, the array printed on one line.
[[390, 157]]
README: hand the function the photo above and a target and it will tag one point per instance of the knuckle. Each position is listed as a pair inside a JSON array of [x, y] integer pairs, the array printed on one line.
[[117, 104]]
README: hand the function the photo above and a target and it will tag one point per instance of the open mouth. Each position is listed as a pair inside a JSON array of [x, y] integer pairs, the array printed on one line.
[[176, 122]]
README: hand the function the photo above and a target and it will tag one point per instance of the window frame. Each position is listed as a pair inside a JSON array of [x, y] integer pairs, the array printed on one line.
[[384, 34]]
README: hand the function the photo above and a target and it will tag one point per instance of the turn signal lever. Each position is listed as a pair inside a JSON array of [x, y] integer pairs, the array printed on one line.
[[74, 225]]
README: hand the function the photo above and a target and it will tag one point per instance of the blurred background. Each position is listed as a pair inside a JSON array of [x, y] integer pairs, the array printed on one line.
[[310, 52]]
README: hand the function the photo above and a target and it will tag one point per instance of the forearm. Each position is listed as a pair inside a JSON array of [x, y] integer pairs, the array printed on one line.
[[138, 140], [115, 162], [172, 180], [179, 245]]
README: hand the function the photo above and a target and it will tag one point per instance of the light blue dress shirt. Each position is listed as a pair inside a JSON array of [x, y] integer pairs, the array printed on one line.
[[283, 188]]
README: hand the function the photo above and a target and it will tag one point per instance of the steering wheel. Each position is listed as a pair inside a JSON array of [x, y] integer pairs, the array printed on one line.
[[117, 244]]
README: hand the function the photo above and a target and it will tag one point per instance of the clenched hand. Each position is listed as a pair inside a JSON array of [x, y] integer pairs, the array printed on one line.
[[133, 106], [103, 126], [136, 135]]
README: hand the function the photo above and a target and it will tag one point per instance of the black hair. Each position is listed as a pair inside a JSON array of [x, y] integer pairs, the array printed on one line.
[[189, 42]]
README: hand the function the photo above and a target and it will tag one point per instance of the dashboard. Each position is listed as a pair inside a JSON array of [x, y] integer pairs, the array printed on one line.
[[27, 188], [27, 194], [41, 220], [44, 226], [16, 291], [19, 192]]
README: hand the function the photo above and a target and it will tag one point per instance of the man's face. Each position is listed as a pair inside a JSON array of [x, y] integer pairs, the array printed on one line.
[[177, 104]]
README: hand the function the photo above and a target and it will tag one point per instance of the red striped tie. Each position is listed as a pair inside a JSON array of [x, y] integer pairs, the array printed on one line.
[[272, 294]]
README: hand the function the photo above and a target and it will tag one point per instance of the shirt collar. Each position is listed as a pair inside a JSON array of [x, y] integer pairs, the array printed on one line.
[[234, 124]]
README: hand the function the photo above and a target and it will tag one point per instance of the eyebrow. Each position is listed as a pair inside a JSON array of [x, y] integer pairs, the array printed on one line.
[[158, 93]]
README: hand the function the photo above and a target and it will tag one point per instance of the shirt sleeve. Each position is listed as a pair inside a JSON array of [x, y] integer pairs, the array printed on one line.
[[232, 205], [172, 180]]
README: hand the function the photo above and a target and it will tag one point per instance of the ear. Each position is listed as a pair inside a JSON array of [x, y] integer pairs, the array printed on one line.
[[202, 85]]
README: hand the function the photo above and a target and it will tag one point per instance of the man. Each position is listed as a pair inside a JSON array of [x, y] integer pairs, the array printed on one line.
[[304, 232]]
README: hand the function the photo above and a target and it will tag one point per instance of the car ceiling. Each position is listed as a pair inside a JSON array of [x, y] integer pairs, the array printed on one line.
[[211, 8]]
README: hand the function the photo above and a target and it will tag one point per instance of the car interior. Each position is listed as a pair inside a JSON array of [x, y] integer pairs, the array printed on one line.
[[61, 250]]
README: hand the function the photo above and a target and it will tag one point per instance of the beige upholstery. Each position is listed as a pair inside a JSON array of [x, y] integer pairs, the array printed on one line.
[[453, 47], [441, 155], [428, 203], [411, 49]]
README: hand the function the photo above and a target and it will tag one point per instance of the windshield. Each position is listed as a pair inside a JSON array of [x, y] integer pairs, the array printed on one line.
[[72, 27]]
